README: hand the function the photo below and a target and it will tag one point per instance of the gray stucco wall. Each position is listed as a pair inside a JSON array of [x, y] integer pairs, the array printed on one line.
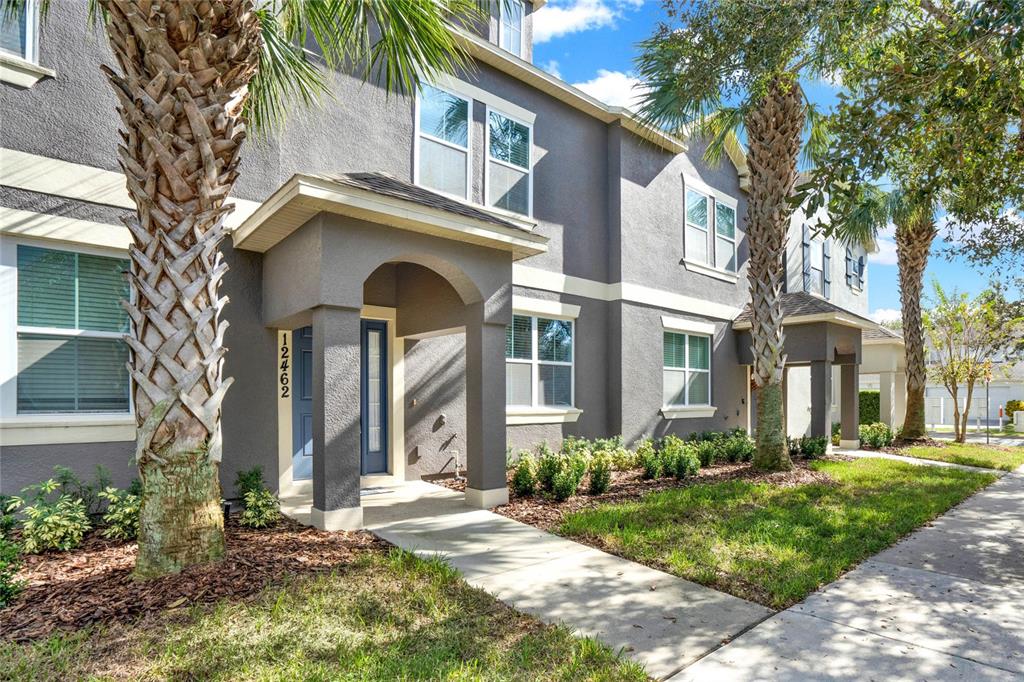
[[435, 405], [24, 465]]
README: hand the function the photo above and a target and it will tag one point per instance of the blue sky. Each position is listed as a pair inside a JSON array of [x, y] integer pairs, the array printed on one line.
[[592, 43]]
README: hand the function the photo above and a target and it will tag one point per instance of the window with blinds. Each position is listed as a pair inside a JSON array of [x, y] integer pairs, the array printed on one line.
[[443, 162], [71, 357], [509, 164], [687, 370], [539, 362]]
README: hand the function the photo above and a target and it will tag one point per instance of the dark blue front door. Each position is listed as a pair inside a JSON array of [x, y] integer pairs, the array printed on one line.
[[302, 404], [374, 397]]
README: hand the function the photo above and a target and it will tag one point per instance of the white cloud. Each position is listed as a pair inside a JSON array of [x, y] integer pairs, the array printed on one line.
[[886, 315], [557, 19], [886, 253], [613, 87], [552, 67]]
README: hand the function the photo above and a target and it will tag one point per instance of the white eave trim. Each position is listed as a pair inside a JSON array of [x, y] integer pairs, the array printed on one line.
[[689, 412], [676, 324], [21, 72], [544, 308], [835, 318], [303, 196], [516, 416], [883, 342]]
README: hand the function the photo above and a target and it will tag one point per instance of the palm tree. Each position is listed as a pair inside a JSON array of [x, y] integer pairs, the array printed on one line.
[[753, 56], [192, 74], [913, 214]]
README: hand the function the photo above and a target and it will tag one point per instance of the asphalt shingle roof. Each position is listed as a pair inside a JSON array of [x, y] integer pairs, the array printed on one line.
[[799, 303], [880, 332], [390, 186]]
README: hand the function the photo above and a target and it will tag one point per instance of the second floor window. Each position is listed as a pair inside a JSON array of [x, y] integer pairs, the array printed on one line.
[[71, 355], [510, 26], [509, 164], [697, 220], [817, 268], [18, 32], [443, 142], [538, 362], [706, 216], [855, 267], [725, 237]]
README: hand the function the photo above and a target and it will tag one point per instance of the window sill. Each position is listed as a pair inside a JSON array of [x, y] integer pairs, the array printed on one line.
[[21, 72], [541, 415], [52, 429], [689, 412], [704, 269]]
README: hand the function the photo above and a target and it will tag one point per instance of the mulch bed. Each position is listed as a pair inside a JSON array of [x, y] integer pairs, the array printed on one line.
[[94, 583], [547, 513]]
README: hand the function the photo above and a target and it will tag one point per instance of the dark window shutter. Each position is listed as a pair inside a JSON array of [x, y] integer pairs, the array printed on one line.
[[807, 257], [860, 272], [826, 268], [849, 268]]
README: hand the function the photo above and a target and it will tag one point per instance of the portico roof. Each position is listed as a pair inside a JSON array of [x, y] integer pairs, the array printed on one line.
[[799, 307], [385, 199]]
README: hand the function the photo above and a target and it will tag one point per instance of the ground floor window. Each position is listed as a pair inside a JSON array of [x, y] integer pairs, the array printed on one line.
[[687, 369], [71, 356], [539, 362]]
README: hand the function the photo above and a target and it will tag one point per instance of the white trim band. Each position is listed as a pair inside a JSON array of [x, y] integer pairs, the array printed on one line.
[[517, 416], [18, 223], [542, 308], [675, 324], [53, 429], [688, 412]]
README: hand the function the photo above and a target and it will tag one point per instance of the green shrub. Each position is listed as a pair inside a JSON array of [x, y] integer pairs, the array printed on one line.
[[876, 435], [649, 459], [122, 515], [524, 478], [6, 518], [548, 464], [739, 447], [813, 447], [870, 407], [600, 472], [50, 523], [564, 485], [248, 480], [10, 561], [681, 462], [1013, 406], [837, 432], [707, 451], [262, 509], [576, 446], [88, 492]]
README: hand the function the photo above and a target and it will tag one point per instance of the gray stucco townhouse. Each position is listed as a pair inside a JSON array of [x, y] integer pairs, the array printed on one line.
[[415, 282]]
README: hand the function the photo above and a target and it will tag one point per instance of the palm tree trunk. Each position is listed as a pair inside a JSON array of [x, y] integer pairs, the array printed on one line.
[[773, 128], [186, 67], [913, 243]]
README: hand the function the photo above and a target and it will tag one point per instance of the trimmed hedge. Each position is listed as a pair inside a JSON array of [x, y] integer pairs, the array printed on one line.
[[1013, 406], [870, 407]]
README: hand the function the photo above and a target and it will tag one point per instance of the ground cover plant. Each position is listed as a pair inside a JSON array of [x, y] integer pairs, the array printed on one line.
[[382, 615], [773, 543], [970, 454]]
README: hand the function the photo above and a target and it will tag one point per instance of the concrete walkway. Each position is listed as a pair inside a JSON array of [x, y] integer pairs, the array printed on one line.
[[920, 461], [946, 603], [660, 620]]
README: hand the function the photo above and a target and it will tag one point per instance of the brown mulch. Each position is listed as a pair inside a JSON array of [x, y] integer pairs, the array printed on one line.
[[547, 513], [94, 583]]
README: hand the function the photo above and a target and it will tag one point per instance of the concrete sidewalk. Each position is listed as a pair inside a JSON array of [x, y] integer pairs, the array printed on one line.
[[919, 461], [660, 620], [946, 603]]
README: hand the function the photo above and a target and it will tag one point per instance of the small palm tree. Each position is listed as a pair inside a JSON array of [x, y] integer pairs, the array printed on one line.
[[870, 210], [192, 74], [714, 68]]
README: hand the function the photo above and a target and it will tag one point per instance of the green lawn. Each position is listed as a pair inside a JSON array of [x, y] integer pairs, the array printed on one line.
[[971, 454], [771, 544], [387, 617]]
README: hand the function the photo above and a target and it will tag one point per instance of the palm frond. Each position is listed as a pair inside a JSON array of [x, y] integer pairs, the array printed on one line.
[[819, 137], [716, 128], [867, 214]]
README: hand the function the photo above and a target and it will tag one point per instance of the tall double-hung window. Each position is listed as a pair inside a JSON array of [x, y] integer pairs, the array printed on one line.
[[706, 215], [687, 370], [71, 356], [443, 141], [18, 31], [510, 26], [509, 163], [539, 362]]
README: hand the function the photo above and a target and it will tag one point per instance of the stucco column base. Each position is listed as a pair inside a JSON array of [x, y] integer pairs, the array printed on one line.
[[486, 499], [849, 444], [348, 518]]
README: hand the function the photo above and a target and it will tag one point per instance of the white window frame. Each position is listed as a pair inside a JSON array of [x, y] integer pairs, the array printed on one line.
[[714, 197], [535, 362], [468, 149], [10, 329], [31, 34], [687, 369], [817, 273], [709, 250], [522, 26], [733, 239], [488, 160]]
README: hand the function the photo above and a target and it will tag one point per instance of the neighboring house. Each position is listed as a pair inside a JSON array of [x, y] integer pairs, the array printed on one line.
[[415, 282]]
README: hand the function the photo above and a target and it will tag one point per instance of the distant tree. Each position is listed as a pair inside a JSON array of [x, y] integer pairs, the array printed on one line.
[[713, 67], [968, 337]]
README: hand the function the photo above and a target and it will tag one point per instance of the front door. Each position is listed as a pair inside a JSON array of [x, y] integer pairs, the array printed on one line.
[[302, 404], [374, 397]]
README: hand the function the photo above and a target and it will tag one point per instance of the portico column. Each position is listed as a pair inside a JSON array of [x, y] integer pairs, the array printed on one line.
[[850, 407], [886, 398], [821, 399], [485, 410], [336, 413]]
